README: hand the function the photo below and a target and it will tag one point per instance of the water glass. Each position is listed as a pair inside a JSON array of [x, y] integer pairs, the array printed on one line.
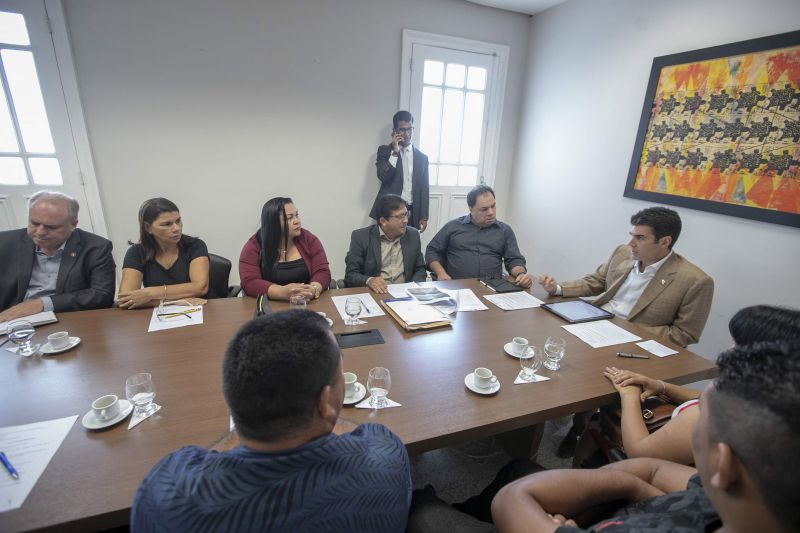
[[297, 301], [530, 361], [352, 307], [378, 383], [20, 333], [554, 350], [140, 391]]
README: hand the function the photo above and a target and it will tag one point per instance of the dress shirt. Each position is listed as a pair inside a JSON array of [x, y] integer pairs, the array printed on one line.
[[407, 153], [632, 288], [44, 275], [391, 259], [466, 250]]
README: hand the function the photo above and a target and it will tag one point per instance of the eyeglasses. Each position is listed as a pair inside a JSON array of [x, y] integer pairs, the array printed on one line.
[[401, 216], [405, 130], [168, 311]]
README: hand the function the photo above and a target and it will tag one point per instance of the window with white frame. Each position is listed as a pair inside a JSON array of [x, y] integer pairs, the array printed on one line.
[[27, 151]]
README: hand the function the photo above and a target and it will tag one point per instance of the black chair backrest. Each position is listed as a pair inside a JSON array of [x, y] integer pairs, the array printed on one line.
[[219, 270]]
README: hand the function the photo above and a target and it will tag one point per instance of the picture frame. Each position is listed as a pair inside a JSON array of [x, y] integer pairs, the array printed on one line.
[[720, 131]]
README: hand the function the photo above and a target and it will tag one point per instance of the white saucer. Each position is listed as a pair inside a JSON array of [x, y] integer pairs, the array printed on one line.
[[47, 349], [509, 351], [358, 395], [90, 422], [470, 383]]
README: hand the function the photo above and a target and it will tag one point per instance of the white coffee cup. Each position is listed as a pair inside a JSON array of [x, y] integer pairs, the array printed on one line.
[[483, 378], [106, 407], [519, 345], [59, 339], [350, 383]]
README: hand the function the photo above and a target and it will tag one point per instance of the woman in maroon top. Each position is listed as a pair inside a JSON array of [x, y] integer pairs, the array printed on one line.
[[282, 259]]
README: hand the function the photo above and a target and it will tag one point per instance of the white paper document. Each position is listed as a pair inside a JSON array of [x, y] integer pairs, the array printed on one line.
[[45, 317], [509, 301], [398, 290], [467, 300], [601, 333], [369, 307], [177, 316], [656, 348], [414, 313], [29, 448]]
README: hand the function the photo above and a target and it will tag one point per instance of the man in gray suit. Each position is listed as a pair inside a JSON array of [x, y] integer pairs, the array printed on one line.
[[52, 265], [388, 252], [403, 170]]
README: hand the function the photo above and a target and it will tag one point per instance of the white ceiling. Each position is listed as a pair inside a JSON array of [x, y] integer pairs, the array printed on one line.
[[531, 7]]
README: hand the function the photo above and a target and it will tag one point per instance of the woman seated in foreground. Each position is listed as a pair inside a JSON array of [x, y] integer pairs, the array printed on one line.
[[283, 259], [165, 264], [673, 441]]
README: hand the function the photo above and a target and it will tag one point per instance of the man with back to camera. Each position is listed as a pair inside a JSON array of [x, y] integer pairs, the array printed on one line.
[[744, 446], [387, 252], [283, 468], [646, 283], [403, 170], [477, 244], [54, 265]]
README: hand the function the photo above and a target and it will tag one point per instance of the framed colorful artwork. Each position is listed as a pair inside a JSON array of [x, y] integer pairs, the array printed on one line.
[[720, 131]]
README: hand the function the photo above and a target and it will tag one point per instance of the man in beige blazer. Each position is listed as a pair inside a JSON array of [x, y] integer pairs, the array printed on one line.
[[646, 283]]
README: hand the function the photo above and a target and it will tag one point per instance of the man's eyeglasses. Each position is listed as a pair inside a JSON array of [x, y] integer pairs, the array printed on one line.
[[401, 216], [405, 130]]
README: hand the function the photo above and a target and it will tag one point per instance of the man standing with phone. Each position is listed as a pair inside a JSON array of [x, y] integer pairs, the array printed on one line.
[[403, 170]]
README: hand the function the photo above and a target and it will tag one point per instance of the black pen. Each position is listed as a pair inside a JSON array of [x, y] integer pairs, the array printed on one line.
[[8, 465], [632, 355]]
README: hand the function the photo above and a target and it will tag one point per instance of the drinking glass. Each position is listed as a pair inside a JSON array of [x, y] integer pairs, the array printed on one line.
[[352, 307], [20, 333], [140, 391], [531, 361], [554, 350], [297, 301], [379, 382], [449, 307]]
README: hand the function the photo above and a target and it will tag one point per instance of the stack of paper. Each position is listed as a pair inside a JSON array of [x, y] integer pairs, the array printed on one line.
[[45, 317], [509, 301]]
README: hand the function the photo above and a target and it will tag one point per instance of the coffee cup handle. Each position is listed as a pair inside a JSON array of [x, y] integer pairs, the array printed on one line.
[[103, 414], [493, 379]]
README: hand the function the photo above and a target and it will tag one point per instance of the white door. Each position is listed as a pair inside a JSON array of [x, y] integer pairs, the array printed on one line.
[[449, 98], [37, 150]]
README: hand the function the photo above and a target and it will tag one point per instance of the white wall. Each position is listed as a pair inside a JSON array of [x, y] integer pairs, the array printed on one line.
[[220, 106], [588, 68]]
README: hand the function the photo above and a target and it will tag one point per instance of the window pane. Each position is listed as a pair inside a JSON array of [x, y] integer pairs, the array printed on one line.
[[433, 72], [451, 126], [45, 171], [476, 78], [448, 175], [27, 97], [433, 172], [12, 171], [467, 176], [430, 122], [455, 75], [473, 125], [8, 137], [12, 29]]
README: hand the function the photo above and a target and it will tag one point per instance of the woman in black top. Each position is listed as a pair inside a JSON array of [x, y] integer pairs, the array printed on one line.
[[166, 263]]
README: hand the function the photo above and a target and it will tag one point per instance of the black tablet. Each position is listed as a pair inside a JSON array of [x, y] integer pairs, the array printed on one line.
[[501, 285], [575, 311]]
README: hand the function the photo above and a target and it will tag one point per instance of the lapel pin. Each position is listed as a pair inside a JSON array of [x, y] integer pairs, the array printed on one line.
[[73, 254], [663, 282]]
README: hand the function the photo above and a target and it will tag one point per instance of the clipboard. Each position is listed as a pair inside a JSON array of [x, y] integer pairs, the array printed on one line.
[[415, 327]]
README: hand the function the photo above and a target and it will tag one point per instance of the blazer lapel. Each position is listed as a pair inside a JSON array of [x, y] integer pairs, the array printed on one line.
[[25, 265], [662, 279], [68, 260], [408, 260], [375, 246], [612, 290]]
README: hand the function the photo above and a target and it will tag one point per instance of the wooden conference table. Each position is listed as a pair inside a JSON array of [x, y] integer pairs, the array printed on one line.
[[91, 481]]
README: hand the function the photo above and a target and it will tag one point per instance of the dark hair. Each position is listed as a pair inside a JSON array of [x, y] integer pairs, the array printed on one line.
[[402, 116], [759, 323], [388, 203], [664, 222], [274, 370], [478, 190], [270, 234], [754, 407], [148, 213]]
